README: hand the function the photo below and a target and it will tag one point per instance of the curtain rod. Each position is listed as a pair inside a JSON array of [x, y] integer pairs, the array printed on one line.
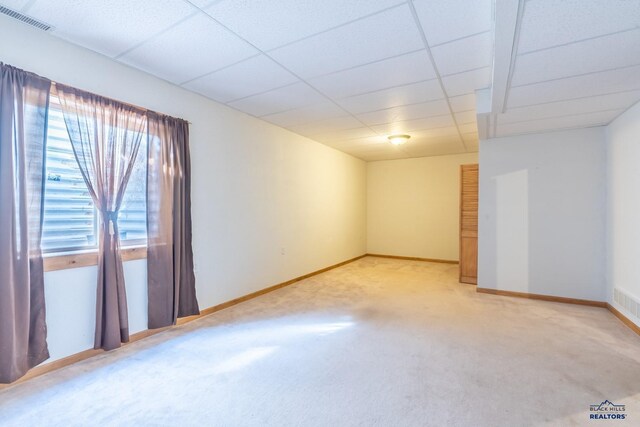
[[125, 103]]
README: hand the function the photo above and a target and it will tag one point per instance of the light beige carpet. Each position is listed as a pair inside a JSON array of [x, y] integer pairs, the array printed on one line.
[[377, 342]]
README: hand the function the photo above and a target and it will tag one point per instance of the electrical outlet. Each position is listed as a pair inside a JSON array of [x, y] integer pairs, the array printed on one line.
[[281, 251]]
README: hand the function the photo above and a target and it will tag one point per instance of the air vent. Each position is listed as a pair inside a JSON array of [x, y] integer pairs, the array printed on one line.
[[24, 18], [629, 303]]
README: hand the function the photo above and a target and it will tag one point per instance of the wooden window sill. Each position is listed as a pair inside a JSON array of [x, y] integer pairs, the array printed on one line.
[[85, 259]]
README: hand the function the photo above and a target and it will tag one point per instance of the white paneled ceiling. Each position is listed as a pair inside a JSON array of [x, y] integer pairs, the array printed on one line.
[[390, 72], [109, 27], [348, 73], [583, 57], [574, 63], [447, 20], [241, 80], [270, 24], [570, 21], [185, 43], [363, 41]]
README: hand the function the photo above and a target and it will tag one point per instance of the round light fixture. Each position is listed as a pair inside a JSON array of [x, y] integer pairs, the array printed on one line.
[[398, 139]]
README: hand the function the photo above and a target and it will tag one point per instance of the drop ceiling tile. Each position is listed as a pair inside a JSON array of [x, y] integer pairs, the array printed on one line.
[[556, 123], [109, 27], [361, 132], [382, 156], [444, 21], [602, 53], [417, 137], [468, 127], [400, 70], [463, 102], [285, 98], [444, 123], [463, 55], [17, 5], [402, 95], [308, 114], [249, 77], [369, 145], [405, 112], [547, 23], [270, 24], [204, 3], [190, 49], [437, 133], [376, 156], [441, 134], [366, 144], [372, 149], [378, 147], [361, 42], [435, 147], [472, 143], [470, 137], [601, 83], [446, 132], [622, 100], [467, 82], [327, 126], [464, 117]]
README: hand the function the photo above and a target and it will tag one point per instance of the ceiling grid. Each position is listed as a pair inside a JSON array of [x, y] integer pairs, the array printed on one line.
[[349, 73]]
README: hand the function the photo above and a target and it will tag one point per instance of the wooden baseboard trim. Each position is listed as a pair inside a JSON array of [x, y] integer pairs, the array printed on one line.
[[624, 319], [601, 304], [411, 258], [215, 308], [468, 280], [87, 354], [551, 298]]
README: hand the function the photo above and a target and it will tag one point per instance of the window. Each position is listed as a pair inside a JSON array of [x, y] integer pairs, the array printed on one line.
[[70, 217]]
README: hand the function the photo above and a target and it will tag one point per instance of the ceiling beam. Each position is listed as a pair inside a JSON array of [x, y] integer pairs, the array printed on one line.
[[506, 30], [483, 113], [508, 14]]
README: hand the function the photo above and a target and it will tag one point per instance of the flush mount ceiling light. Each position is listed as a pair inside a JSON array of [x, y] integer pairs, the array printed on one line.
[[398, 139]]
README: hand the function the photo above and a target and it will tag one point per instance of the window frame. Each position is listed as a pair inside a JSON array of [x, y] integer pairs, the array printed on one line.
[[77, 259], [65, 258]]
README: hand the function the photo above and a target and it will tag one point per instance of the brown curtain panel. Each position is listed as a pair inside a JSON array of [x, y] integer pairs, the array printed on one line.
[[24, 101], [171, 281], [105, 135]]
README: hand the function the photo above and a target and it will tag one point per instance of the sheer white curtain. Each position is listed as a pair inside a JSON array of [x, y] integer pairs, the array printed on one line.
[[105, 136]]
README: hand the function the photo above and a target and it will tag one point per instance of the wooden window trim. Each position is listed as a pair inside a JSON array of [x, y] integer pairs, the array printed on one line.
[[85, 259]]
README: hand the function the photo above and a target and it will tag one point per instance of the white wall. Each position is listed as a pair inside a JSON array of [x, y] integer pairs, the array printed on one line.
[[413, 206], [623, 209], [542, 214], [258, 191]]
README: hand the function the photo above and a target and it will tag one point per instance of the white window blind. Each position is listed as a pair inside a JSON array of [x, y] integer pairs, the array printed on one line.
[[70, 217]]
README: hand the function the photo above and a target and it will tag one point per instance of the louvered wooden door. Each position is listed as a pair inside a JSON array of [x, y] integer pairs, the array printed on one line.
[[469, 224]]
